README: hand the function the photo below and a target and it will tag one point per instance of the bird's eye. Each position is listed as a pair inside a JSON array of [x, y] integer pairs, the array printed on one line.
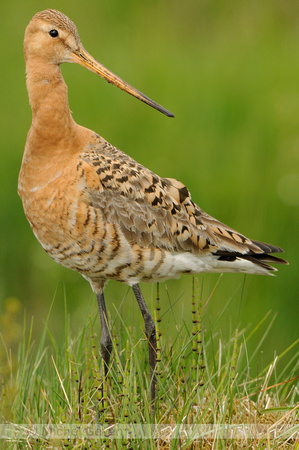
[[53, 33]]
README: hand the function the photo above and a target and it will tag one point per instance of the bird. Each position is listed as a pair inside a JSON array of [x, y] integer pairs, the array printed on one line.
[[96, 210]]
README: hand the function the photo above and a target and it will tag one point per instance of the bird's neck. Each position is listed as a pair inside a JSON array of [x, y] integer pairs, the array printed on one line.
[[51, 116]]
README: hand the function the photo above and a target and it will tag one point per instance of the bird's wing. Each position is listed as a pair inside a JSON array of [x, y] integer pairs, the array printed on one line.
[[154, 211]]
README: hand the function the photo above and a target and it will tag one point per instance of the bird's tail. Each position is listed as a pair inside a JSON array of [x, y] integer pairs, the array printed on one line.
[[262, 260]]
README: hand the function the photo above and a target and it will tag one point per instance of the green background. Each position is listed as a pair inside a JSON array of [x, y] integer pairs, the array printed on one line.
[[229, 72]]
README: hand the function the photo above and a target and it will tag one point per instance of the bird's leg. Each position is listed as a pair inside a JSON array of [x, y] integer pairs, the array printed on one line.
[[106, 342], [150, 331]]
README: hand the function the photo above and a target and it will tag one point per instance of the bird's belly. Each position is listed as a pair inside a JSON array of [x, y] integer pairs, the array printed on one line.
[[72, 233], [76, 236]]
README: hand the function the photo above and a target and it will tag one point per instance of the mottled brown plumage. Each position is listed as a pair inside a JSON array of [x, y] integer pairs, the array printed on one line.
[[96, 210]]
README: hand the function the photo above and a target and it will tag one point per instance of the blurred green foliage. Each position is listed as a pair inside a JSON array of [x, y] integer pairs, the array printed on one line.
[[229, 72]]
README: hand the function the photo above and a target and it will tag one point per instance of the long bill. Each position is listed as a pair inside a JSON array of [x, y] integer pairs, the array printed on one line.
[[83, 58]]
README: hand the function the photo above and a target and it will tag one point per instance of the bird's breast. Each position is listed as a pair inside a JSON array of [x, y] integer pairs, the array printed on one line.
[[71, 229]]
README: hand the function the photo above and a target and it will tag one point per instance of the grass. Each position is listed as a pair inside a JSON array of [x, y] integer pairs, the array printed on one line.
[[206, 395]]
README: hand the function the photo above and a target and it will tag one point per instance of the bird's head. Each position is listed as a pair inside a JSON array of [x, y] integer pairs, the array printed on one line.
[[52, 38]]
